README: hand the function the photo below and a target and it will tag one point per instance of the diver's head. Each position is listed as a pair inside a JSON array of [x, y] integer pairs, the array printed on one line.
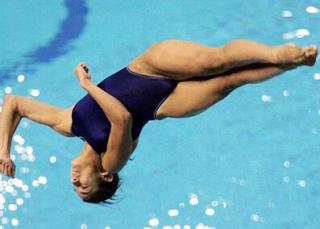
[[89, 180]]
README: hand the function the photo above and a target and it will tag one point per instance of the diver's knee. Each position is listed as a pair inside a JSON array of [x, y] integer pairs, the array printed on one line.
[[213, 60]]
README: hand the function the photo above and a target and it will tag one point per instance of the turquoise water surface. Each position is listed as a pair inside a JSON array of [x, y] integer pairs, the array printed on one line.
[[251, 161]]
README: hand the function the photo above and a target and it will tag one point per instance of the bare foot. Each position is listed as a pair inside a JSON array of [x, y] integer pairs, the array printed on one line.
[[310, 54], [292, 55]]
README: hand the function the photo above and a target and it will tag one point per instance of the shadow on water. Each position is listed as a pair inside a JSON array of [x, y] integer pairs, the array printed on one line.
[[70, 29]]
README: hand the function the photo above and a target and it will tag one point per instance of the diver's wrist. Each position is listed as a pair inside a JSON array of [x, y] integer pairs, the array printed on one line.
[[4, 154], [85, 84]]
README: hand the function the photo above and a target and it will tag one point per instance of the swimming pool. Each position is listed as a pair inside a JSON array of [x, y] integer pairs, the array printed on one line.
[[252, 161]]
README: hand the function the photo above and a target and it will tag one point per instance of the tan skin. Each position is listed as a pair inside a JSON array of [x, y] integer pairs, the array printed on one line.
[[206, 74]]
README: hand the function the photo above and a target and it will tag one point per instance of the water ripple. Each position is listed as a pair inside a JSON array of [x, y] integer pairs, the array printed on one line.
[[70, 29]]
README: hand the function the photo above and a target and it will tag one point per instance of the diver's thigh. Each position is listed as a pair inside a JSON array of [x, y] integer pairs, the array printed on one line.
[[192, 97], [180, 60]]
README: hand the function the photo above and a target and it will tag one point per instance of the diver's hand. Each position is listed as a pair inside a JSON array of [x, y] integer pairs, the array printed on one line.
[[7, 166], [82, 73]]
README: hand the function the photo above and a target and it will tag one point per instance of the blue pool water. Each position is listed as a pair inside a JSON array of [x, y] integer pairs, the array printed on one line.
[[251, 161]]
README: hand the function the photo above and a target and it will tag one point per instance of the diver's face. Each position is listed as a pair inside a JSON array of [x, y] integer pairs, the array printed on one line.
[[85, 179]]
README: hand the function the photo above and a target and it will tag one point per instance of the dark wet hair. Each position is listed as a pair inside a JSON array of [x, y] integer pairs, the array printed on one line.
[[106, 192]]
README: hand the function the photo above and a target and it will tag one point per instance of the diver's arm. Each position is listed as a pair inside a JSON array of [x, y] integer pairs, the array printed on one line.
[[119, 149], [9, 120], [119, 146], [112, 107], [116, 112], [13, 109]]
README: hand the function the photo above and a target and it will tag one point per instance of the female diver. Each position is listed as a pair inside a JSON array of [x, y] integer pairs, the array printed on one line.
[[172, 78]]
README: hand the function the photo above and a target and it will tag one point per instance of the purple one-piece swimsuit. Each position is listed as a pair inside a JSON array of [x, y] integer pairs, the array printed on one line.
[[142, 95]]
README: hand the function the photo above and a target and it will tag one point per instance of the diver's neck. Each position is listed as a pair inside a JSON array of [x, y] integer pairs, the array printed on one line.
[[88, 155]]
